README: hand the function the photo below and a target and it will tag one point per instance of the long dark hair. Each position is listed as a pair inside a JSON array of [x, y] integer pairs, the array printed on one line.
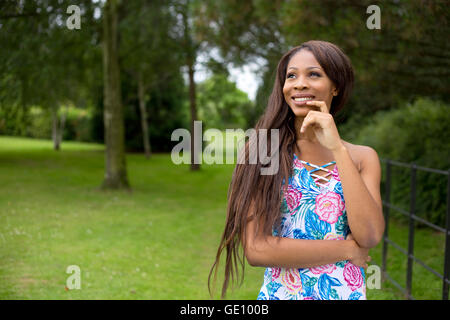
[[265, 192]]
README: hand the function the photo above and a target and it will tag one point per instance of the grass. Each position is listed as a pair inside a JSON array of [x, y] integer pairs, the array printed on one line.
[[156, 242]]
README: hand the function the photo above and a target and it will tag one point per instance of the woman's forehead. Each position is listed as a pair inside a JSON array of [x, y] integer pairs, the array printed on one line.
[[303, 59]]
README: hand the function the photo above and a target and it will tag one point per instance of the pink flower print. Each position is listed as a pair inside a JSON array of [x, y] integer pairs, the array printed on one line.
[[335, 173], [293, 197], [329, 207], [275, 273], [353, 276], [333, 236], [297, 163], [292, 281], [328, 268]]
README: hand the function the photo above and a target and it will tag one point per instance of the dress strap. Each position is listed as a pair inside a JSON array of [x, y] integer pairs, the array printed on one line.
[[318, 167], [319, 177]]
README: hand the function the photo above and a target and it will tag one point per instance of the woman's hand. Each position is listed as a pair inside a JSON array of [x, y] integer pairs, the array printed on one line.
[[361, 255], [323, 126]]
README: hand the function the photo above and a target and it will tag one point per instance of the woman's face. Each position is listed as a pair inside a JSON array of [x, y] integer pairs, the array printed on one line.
[[305, 80]]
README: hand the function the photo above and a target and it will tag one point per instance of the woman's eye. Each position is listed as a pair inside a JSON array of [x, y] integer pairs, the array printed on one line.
[[312, 74]]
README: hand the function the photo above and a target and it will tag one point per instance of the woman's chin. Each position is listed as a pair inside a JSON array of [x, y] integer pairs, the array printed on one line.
[[301, 110]]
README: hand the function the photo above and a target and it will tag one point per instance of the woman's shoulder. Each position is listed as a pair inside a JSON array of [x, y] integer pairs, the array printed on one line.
[[358, 152], [357, 147]]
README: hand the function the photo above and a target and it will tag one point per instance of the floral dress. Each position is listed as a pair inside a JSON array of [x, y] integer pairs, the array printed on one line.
[[314, 211]]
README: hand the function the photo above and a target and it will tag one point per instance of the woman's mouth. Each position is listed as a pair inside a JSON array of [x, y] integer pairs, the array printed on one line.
[[302, 100]]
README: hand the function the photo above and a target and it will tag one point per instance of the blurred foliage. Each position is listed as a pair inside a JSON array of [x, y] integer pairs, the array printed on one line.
[[221, 104], [151, 51], [77, 124], [36, 122], [166, 111], [414, 133], [42, 62], [411, 44], [166, 107], [14, 120]]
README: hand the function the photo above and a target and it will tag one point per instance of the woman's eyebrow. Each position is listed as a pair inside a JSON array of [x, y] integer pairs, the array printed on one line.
[[312, 67]]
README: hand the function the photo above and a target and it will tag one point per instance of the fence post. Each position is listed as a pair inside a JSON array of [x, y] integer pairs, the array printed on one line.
[[412, 211], [387, 197], [447, 244]]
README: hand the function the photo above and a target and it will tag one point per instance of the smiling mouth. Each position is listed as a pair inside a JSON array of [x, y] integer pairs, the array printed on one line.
[[303, 99]]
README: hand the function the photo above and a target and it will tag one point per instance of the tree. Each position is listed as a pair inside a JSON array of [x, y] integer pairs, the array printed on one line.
[[115, 162], [43, 60], [243, 32], [190, 46], [228, 111], [149, 53], [411, 44]]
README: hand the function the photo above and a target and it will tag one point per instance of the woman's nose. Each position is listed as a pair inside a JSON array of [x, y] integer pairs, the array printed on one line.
[[301, 83]]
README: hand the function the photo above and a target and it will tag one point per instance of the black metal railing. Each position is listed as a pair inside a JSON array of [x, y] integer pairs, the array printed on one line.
[[412, 218]]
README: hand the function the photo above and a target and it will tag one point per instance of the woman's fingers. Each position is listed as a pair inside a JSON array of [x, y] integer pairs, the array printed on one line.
[[321, 104], [307, 121], [311, 119], [319, 118]]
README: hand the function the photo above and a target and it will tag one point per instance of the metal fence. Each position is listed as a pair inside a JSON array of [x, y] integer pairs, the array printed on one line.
[[412, 218]]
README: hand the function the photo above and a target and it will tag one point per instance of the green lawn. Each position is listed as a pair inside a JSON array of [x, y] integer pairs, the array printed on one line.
[[157, 242]]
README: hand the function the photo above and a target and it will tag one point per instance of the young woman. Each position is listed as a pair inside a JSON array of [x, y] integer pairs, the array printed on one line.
[[296, 222]]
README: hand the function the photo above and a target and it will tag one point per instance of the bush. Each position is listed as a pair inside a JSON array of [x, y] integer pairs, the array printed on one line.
[[14, 120], [415, 133], [78, 124], [40, 126], [36, 122]]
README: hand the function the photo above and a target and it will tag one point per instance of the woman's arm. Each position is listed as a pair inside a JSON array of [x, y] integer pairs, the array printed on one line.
[[362, 195], [271, 251], [361, 191]]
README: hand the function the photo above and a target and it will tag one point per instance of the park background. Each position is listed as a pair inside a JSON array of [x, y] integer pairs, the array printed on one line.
[[87, 112]]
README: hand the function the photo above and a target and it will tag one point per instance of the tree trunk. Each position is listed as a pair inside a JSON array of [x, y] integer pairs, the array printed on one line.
[[57, 128], [62, 123], [190, 50], [195, 164], [115, 164], [144, 126]]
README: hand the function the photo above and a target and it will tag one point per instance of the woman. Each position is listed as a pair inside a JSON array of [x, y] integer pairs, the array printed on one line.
[[300, 230]]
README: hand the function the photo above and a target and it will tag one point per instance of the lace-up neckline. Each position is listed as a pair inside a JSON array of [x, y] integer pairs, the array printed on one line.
[[317, 178]]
